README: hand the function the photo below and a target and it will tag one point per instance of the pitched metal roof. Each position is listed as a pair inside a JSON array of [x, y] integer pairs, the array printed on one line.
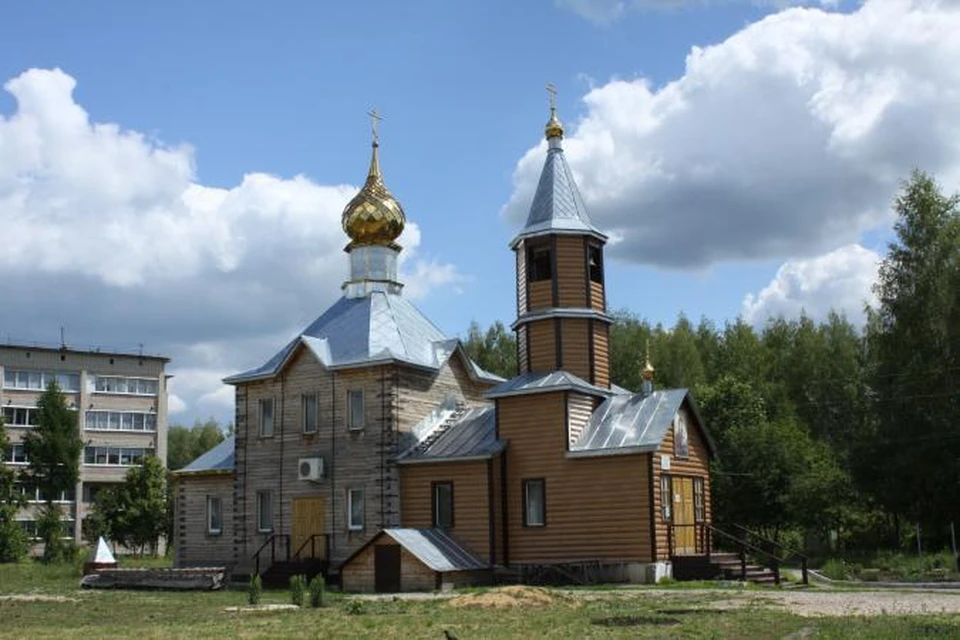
[[557, 205], [472, 435], [217, 460], [635, 422], [436, 549], [541, 382], [379, 327]]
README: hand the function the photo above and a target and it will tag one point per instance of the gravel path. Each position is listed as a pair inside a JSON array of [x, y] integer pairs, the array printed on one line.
[[845, 603]]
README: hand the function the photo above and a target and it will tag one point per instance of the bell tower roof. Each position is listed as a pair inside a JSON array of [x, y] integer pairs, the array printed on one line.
[[557, 206]]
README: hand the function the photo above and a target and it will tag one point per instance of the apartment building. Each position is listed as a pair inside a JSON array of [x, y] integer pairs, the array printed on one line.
[[121, 400]]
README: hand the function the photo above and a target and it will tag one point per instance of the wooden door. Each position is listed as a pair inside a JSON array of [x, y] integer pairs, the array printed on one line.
[[386, 568], [308, 519], [685, 534]]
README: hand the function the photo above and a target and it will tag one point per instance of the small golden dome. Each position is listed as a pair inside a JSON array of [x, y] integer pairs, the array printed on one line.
[[554, 128], [373, 217], [648, 370]]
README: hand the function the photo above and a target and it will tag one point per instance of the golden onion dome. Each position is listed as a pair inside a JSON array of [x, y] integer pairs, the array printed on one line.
[[373, 217], [648, 369], [554, 128]]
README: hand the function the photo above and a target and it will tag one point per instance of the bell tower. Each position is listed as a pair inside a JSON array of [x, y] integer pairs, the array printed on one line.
[[562, 322]]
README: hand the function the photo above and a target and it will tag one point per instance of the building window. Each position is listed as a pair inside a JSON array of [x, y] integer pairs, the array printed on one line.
[[595, 262], [355, 509], [539, 263], [39, 380], [681, 439], [534, 503], [266, 418], [264, 511], [115, 456], [214, 515], [119, 421], [309, 410], [666, 499], [20, 416], [699, 510], [443, 505], [15, 454], [126, 386], [355, 409]]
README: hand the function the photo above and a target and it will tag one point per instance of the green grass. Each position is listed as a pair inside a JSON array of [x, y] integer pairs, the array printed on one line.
[[894, 567], [607, 613]]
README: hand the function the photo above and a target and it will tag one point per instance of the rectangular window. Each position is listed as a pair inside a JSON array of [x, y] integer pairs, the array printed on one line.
[[20, 416], [115, 456], [595, 263], [309, 411], [126, 386], [539, 263], [699, 507], [534, 503], [264, 511], [38, 380], [355, 409], [16, 454], [214, 515], [119, 421], [355, 509], [266, 418], [666, 499], [443, 505]]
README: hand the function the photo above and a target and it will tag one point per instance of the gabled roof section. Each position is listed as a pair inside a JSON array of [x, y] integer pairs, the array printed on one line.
[[217, 460], [635, 423], [433, 547], [543, 382], [373, 329], [557, 205], [472, 436]]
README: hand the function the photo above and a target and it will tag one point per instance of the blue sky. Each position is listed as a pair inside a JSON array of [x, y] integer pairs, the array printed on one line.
[[744, 156]]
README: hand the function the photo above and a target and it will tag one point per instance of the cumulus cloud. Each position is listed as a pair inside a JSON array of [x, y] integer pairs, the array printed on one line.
[[841, 281], [605, 12], [787, 139], [138, 250]]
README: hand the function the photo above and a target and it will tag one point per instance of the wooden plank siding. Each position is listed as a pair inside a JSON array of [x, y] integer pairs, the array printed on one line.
[[598, 301], [579, 410], [571, 272], [541, 294], [471, 504], [521, 255], [596, 508], [523, 353], [542, 345], [195, 545], [359, 574], [601, 354], [575, 343], [696, 465]]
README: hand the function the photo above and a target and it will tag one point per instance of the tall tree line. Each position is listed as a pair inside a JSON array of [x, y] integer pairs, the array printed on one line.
[[843, 433]]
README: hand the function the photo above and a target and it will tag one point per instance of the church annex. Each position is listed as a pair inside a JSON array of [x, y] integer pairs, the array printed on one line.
[[371, 447]]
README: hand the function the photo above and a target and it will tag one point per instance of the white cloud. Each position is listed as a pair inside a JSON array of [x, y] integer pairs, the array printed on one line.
[[841, 281], [139, 251], [788, 139], [605, 12]]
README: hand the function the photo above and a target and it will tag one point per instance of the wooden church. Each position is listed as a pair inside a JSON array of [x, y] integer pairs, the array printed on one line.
[[372, 448]]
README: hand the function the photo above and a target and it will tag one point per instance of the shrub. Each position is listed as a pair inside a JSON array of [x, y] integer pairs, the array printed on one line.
[[298, 588], [13, 539], [834, 569], [318, 591], [256, 589], [355, 607]]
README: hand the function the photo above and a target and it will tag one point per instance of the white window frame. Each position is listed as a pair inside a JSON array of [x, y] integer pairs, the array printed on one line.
[[354, 422], [120, 453], [353, 525], [262, 405], [214, 506], [305, 401], [12, 410], [21, 379], [100, 420], [261, 495], [110, 385], [14, 446]]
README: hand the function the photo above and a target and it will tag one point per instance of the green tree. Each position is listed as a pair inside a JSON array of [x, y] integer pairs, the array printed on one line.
[[134, 514], [494, 350], [53, 451], [13, 539], [914, 337], [628, 341], [186, 444]]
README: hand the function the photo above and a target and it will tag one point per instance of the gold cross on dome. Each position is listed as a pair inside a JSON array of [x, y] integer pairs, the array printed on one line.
[[552, 90], [375, 120]]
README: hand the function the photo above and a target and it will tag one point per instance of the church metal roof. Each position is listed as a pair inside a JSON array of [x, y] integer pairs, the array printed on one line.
[[557, 206], [361, 331], [217, 460], [472, 435], [544, 381]]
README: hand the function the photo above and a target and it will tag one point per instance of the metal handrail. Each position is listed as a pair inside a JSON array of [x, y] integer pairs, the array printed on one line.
[[313, 549], [790, 552], [272, 541], [744, 545]]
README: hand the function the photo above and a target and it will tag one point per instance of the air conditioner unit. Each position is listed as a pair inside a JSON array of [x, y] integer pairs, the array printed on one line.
[[310, 469]]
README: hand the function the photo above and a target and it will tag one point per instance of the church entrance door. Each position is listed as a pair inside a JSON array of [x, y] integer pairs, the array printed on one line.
[[309, 518], [685, 541]]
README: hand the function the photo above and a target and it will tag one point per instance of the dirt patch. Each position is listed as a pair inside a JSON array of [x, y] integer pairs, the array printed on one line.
[[506, 598], [262, 608], [847, 603], [36, 597]]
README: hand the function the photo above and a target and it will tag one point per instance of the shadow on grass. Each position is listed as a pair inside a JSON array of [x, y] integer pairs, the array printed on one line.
[[635, 621]]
